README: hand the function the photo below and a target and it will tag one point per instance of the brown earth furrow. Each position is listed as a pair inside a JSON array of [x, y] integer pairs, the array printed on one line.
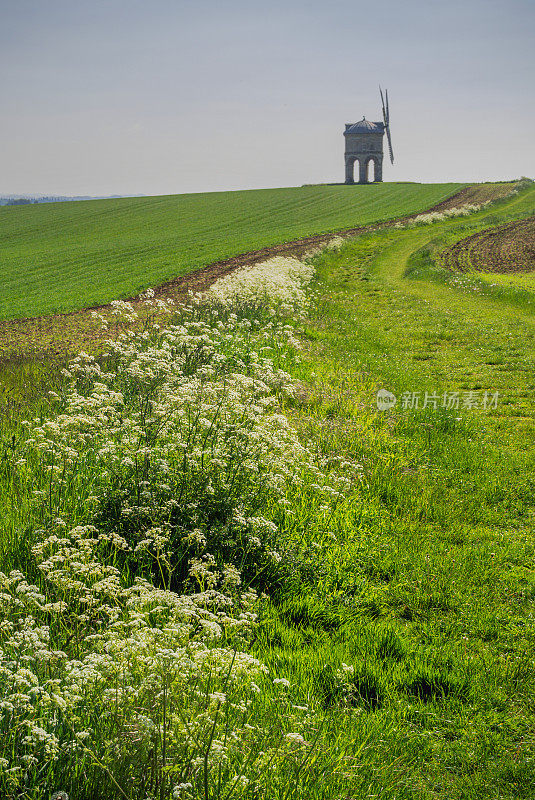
[[505, 248]]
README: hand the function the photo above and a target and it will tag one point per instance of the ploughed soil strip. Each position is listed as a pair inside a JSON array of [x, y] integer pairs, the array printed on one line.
[[59, 336], [506, 248]]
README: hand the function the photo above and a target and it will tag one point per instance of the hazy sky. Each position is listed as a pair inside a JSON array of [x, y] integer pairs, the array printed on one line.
[[163, 96]]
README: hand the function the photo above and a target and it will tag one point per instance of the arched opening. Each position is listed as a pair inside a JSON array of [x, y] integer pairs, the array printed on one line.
[[350, 169], [363, 169], [371, 169], [374, 169]]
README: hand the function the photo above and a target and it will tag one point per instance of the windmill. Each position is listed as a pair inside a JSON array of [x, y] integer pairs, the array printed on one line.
[[386, 118], [364, 146]]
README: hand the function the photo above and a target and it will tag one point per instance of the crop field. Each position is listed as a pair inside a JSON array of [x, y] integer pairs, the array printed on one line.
[[504, 248], [66, 256], [228, 571]]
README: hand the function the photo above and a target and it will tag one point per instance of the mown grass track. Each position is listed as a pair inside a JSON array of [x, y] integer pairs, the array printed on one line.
[[424, 586], [65, 256]]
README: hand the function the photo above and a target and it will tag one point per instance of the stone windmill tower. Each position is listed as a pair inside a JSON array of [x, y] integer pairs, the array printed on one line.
[[364, 143]]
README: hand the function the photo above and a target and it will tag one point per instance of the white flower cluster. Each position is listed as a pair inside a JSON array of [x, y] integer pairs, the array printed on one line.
[[335, 243], [159, 465], [156, 642], [181, 429], [279, 283], [439, 216]]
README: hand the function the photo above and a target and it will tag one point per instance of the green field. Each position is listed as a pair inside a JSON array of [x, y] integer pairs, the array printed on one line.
[[67, 256]]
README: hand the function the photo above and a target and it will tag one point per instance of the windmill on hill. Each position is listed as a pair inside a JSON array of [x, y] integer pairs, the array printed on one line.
[[364, 143]]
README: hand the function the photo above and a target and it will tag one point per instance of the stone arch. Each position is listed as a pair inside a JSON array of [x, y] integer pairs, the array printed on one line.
[[377, 169], [362, 163], [350, 168]]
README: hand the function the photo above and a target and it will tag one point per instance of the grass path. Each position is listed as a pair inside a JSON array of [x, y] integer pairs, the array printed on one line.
[[393, 261], [482, 327], [60, 335], [424, 584]]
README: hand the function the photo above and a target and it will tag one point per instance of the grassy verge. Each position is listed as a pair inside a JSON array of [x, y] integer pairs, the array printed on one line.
[[423, 584]]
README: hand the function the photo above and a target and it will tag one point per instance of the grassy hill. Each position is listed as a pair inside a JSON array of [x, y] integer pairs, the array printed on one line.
[[66, 256]]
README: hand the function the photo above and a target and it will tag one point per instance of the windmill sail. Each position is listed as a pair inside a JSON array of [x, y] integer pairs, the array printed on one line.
[[386, 118], [383, 105], [390, 145]]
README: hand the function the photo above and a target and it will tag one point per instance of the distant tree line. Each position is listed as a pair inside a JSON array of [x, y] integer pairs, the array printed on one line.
[[21, 201], [10, 200], [25, 201]]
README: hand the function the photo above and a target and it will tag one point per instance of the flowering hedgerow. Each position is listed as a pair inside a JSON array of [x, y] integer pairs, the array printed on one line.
[[278, 284], [461, 211], [150, 483], [439, 216]]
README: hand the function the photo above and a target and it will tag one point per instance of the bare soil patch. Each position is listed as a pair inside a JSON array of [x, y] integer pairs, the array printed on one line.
[[506, 248]]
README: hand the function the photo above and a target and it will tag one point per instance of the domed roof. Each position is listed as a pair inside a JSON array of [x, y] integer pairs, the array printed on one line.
[[365, 126]]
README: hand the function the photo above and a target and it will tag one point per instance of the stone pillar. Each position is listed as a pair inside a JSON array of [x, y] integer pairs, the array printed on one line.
[[349, 169], [378, 171], [363, 176]]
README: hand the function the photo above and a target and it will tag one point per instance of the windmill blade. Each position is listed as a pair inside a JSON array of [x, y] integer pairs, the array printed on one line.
[[387, 129], [386, 118], [383, 105]]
